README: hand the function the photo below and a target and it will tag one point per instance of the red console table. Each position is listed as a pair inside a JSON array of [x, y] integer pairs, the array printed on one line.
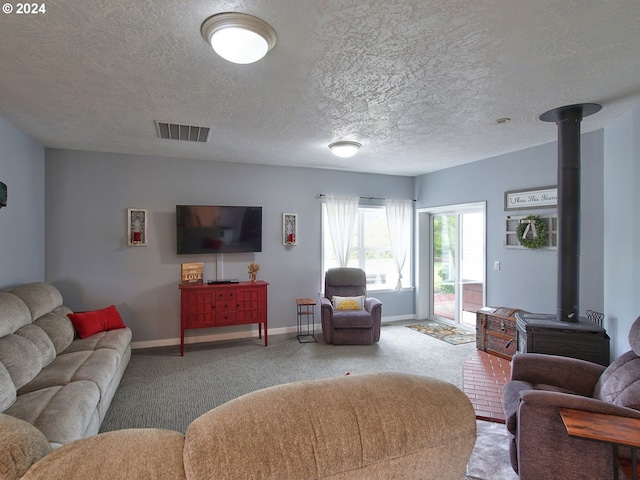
[[222, 305]]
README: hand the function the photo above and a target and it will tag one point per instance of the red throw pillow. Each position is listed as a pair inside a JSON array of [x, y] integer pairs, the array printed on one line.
[[90, 323]]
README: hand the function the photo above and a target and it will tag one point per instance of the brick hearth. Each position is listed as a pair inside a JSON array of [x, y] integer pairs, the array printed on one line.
[[483, 376]]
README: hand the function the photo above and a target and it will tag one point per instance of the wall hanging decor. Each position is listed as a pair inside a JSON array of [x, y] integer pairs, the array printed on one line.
[[289, 228], [543, 197], [3, 194], [137, 227], [531, 232]]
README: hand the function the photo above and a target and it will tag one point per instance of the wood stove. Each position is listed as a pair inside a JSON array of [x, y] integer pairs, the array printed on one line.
[[566, 333], [543, 333]]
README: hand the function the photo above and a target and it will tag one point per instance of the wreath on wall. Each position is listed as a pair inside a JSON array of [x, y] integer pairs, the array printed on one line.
[[533, 232]]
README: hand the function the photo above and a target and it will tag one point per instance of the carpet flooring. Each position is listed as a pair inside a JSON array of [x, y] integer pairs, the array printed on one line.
[[445, 332], [164, 390]]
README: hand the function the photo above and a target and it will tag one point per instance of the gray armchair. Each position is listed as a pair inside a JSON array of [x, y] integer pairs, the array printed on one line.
[[540, 384], [349, 327]]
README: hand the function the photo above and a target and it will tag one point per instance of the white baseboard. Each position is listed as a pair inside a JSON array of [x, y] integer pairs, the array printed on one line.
[[398, 318], [213, 337]]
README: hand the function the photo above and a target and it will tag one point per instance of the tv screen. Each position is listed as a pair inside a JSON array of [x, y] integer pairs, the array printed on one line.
[[218, 229]]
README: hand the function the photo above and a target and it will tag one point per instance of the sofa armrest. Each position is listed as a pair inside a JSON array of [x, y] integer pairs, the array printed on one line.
[[572, 374], [546, 450], [564, 400], [132, 453], [371, 303], [21, 445], [325, 303]]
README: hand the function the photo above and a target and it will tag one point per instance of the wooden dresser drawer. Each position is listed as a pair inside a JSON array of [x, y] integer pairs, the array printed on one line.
[[226, 317], [228, 294], [225, 306]]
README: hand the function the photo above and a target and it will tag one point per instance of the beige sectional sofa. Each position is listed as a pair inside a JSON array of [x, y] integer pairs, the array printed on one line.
[[358, 427], [61, 384]]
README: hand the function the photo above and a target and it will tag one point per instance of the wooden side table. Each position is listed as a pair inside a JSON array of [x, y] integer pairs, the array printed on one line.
[[306, 311], [612, 429]]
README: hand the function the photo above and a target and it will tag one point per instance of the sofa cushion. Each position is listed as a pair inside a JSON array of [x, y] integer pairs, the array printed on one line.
[[21, 358], [98, 366], [40, 339], [40, 297], [58, 328], [90, 323], [352, 319], [61, 413], [7, 389], [22, 446], [117, 340], [13, 314], [620, 382]]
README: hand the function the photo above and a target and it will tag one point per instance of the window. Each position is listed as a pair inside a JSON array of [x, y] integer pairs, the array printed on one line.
[[370, 249]]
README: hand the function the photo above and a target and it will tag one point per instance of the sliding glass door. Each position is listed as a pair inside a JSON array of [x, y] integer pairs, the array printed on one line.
[[456, 263]]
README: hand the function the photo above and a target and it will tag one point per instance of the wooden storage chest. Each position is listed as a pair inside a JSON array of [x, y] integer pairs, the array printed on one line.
[[496, 331]]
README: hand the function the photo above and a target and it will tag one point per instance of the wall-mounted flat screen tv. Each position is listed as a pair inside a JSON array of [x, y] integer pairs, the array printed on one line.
[[203, 229]]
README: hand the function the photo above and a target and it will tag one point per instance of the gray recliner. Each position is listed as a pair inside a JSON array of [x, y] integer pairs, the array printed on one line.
[[541, 384], [349, 327]]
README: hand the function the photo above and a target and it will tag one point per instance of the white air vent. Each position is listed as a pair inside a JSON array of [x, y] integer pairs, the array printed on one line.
[[176, 131]]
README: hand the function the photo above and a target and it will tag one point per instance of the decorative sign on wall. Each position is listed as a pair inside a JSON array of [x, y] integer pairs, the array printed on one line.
[[137, 227], [543, 197]]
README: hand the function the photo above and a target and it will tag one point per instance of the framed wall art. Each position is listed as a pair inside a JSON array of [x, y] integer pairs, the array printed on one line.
[[289, 228], [137, 227], [512, 232], [3, 194], [543, 197]]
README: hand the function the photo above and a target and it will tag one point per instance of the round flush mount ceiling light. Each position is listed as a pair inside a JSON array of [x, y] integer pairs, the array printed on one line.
[[344, 149], [238, 37]]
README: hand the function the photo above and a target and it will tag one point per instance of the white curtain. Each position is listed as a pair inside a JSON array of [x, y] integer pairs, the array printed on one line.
[[399, 214], [341, 215]]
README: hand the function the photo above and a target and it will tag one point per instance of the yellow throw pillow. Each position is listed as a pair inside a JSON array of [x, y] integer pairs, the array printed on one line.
[[348, 303]]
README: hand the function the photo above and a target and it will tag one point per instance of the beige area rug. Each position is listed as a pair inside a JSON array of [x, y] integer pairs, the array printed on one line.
[[445, 332]]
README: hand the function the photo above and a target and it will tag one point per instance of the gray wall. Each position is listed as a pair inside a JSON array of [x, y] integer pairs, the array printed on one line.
[[87, 257], [22, 221], [527, 278], [87, 195], [622, 227]]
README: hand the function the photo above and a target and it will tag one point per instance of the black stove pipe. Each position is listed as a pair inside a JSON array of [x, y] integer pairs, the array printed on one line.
[[568, 120]]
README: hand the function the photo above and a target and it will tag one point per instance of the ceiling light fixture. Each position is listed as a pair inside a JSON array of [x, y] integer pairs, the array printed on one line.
[[238, 37], [344, 149], [502, 121]]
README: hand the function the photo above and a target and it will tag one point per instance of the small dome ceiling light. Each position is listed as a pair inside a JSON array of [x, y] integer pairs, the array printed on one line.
[[344, 149], [238, 37], [501, 121]]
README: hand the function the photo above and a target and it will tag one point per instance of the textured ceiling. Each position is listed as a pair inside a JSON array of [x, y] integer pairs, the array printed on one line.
[[419, 83]]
